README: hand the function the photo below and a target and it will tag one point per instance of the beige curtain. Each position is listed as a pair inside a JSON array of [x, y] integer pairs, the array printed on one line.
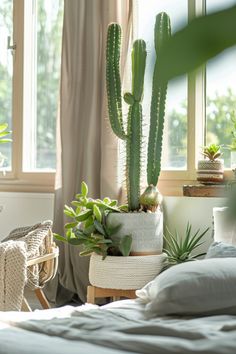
[[87, 148]]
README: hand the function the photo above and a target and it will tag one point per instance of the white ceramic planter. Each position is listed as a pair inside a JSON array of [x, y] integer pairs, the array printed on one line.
[[210, 171], [124, 272], [146, 230]]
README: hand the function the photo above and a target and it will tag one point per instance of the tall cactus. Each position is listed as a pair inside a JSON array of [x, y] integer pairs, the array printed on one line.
[[133, 135]]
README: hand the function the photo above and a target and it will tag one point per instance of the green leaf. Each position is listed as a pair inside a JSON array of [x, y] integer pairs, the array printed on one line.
[[86, 253], [89, 222], [83, 215], [113, 203], [99, 227], [89, 230], [71, 225], [84, 189], [107, 200], [75, 241], [201, 40], [60, 238], [125, 245], [97, 213]]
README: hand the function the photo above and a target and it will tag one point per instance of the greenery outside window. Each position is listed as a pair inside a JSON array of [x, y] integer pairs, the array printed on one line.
[[31, 33]]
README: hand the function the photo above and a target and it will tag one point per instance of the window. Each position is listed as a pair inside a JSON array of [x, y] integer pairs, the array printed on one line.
[[29, 90], [199, 106]]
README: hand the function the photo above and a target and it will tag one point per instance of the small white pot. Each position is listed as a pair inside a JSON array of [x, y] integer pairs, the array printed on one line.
[[124, 273], [146, 230], [210, 171]]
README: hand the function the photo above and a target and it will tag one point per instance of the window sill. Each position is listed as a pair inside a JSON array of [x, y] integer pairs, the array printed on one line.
[[209, 191]]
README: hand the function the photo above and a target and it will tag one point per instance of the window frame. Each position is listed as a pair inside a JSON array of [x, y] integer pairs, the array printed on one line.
[[17, 180], [171, 181]]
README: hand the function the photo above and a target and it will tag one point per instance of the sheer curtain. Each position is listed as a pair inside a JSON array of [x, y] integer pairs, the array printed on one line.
[[87, 149]]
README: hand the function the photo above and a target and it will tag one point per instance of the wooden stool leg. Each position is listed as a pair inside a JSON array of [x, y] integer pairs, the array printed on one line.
[[91, 294], [42, 298], [115, 298], [25, 306]]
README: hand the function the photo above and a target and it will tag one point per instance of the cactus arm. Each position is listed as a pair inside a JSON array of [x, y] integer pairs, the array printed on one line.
[[113, 82], [139, 55], [159, 89], [133, 152]]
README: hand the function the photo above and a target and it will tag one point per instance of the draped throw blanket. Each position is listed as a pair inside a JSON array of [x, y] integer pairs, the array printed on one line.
[[13, 258], [19, 246]]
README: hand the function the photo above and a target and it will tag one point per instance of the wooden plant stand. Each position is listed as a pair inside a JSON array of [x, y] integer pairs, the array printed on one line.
[[94, 292]]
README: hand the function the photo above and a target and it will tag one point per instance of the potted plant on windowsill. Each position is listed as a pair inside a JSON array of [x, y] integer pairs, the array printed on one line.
[[144, 219], [211, 169]]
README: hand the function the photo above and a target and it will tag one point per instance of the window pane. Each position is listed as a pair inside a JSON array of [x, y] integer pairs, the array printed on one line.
[[6, 29], [220, 91], [174, 152], [42, 80]]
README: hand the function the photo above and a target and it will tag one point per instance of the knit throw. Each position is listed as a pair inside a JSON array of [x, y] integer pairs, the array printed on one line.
[[19, 246]]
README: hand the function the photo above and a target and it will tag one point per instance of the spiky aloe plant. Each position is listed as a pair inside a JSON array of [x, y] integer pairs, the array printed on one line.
[[133, 135], [179, 249]]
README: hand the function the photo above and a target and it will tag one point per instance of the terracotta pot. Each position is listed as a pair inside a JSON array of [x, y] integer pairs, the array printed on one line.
[[210, 172]]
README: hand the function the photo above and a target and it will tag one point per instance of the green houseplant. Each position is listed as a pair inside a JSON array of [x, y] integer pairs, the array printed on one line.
[[179, 248], [146, 228], [211, 169], [88, 226]]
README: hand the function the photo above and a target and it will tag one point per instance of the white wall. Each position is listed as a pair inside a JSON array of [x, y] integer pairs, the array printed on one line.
[[198, 211], [22, 209]]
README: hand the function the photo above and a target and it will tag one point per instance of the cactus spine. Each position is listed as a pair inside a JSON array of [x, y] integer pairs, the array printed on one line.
[[133, 136]]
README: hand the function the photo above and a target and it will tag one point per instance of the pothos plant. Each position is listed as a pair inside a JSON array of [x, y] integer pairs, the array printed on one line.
[[88, 226], [131, 132]]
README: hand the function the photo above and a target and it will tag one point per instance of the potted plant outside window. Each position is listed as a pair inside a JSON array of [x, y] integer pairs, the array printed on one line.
[[211, 169], [144, 219]]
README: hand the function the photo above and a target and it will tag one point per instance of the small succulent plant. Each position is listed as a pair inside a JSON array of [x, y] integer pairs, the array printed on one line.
[[89, 227], [179, 249], [212, 152]]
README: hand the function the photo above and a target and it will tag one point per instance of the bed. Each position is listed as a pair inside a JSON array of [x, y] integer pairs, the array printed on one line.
[[189, 308]]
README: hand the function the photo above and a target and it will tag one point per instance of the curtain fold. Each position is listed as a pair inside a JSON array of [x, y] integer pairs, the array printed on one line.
[[87, 149]]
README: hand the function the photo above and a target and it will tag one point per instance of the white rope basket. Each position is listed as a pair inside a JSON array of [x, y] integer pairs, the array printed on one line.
[[124, 273]]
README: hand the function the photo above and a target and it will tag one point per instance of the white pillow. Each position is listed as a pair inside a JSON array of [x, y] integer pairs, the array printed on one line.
[[198, 287]]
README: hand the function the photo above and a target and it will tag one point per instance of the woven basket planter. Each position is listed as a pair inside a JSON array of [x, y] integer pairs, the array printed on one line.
[[124, 272], [146, 230], [210, 171]]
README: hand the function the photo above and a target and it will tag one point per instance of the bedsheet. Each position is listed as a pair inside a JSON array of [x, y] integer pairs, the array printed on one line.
[[120, 327]]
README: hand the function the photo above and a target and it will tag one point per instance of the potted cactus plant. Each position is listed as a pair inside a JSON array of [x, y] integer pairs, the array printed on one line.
[[211, 169], [146, 225]]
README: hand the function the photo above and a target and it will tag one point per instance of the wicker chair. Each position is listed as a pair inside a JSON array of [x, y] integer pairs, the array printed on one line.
[[47, 267], [41, 258]]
